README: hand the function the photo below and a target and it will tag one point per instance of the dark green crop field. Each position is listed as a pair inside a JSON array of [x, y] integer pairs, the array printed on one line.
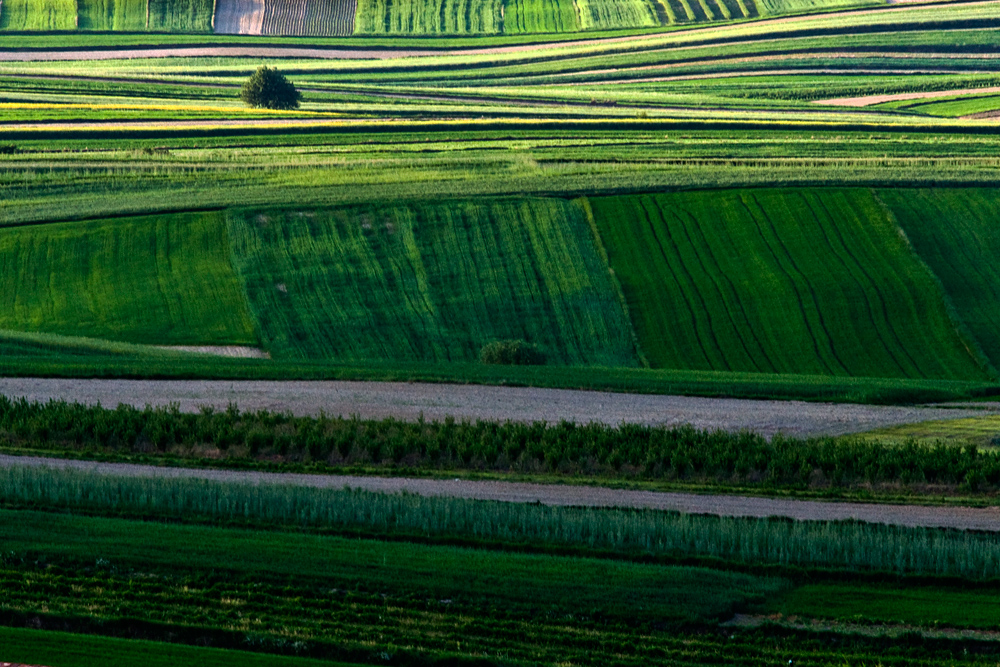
[[779, 281], [955, 232]]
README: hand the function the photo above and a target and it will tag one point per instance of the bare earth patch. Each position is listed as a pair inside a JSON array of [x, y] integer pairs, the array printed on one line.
[[232, 351]]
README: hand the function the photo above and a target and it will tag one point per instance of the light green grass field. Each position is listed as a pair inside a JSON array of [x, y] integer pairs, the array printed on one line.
[[427, 17], [955, 232], [979, 431], [123, 15], [157, 279], [780, 281], [38, 15], [430, 282]]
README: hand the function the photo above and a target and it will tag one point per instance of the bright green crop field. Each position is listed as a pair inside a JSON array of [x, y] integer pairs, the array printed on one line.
[[160, 280]]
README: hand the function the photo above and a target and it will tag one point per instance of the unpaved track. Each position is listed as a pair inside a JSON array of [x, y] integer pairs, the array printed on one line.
[[409, 401], [965, 518]]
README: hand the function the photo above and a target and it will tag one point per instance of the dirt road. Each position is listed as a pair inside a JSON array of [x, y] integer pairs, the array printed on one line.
[[437, 401], [575, 496]]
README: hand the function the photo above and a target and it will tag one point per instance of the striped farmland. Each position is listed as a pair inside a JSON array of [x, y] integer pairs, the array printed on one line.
[[429, 17], [813, 282], [38, 15], [285, 17], [539, 16], [430, 282]]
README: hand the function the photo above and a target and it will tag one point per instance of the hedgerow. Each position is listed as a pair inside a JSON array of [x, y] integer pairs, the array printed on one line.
[[628, 451]]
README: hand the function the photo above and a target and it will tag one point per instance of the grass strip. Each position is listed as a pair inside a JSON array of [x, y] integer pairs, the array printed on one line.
[[789, 547]]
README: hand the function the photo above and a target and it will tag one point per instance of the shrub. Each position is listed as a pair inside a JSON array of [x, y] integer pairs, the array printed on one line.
[[7, 149], [511, 353], [268, 88]]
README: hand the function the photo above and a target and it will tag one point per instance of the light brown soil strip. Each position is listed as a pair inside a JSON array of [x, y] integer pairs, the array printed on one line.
[[410, 401], [231, 351], [870, 100], [964, 518]]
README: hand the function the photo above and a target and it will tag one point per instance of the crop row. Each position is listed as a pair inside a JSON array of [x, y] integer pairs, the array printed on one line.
[[628, 451], [749, 542]]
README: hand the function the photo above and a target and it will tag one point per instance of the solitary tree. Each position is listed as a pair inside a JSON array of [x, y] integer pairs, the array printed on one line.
[[268, 88]]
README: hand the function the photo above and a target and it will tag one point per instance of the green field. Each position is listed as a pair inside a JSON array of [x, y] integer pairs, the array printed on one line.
[[430, 282], [955, 233], [772, 7], [534, 16], [123, 15], [881, 604], [779, 281], [161, 280], [181, 15], [611, 14], [427, 17], [38, 15]]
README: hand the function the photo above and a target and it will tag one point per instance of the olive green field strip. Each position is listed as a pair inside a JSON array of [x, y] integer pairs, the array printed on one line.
[[160, 280], [779, 281], [430, 282]]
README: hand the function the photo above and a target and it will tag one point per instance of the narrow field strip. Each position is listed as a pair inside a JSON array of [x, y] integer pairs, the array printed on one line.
[[913, 516], [410, 401]]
